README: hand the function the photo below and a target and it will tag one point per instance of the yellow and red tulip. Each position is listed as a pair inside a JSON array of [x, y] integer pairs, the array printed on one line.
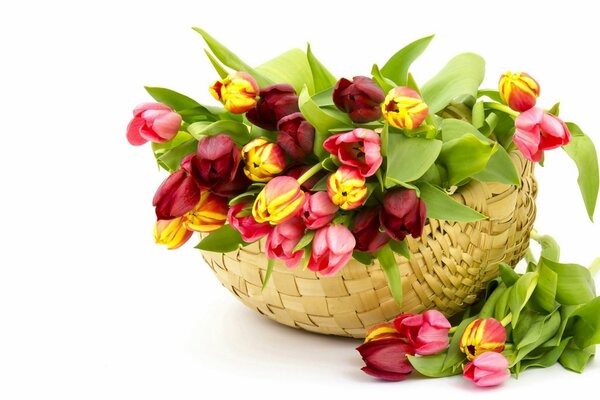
[[237, 92], [347, 188], [209, 214], [264, 160], [518, 90], [404, 108], [385, 330], [171, 232], [482, 335], [280, 200]]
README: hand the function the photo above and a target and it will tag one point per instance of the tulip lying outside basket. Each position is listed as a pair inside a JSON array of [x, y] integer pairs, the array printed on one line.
[[339, 205]]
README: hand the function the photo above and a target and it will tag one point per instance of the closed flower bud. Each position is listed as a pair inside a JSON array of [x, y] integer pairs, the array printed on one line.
[[241, 219], [296, 136], [482, 335], [366, 230], [386, 359], [427, 332], [537, 130], [360, 97], [488, 369], [318, 210], [282, 240], [209, 214], [403, 214], [237, 92], [216, 162], [171, 232], [518, 90], [332, 248], [347, 188], [263, 159], [280, 200], [275, 102], [404, 108], [152, 122], [360, 148], [178, 194]]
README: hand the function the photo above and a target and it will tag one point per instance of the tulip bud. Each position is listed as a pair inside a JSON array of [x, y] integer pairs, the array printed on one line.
[[296, 136], [178, 194], [280, 200], [403, 214], [153, 122], [360, 148], [488, 369], [245, 224], [386, 359], [361, 98], [282, 240], [237, 92], [537, 130], [209, 214], [318, 210], [427, 332], [518, 90], [171, 232], [404, 108], [275, 102], [332, 248], [482, 335], [365, 229], [263, 160], [347, 188], [216, 162]]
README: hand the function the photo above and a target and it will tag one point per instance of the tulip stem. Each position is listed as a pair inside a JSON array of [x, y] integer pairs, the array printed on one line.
[[308, 174], [507, 320], [452, 330], [501, 107]]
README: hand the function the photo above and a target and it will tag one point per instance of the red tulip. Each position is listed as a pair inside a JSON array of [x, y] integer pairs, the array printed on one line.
[[537, 130], [403, 214], [318, 210], [366, 230], [488, 369], [275, 102], [347, 188], [240, 217], [153, 122], [385, 330], [216, 162], [282, 239], [427, 332], [296, 136], [332, 247], [360, 148], [361, 98], [482, 335], [178, 194], [386, 358], [263, 160]]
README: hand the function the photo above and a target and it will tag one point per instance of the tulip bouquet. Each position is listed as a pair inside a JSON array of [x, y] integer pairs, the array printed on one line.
[[328, 169]]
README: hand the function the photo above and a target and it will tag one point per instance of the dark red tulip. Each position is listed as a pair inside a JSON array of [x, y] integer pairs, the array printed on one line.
[[275, 102], [178, 194], [216, 162], [386, 358], [403, 214], [361, 98], [296, 136], [365, 229]]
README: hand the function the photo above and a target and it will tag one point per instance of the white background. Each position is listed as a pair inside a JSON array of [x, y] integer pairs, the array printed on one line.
[[90, 308]]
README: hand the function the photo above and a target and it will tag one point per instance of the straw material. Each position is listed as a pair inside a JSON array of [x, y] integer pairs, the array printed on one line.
[[450, 266]]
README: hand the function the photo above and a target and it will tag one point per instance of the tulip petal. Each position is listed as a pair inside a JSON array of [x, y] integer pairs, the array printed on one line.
[[133, 132], [385, 375], [167, 125]]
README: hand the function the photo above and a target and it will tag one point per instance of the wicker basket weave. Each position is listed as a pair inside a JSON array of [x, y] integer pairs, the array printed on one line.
[[450, 266]]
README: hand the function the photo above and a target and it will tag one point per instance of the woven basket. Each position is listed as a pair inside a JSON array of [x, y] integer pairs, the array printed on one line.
[[450, 266]]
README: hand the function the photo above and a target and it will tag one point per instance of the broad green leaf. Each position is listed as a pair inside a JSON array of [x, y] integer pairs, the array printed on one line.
[[508, 274], [171, 159], [231, 60], [487, 311], [544, 295], [491, 93], [235, 130], [565, 317], [171, 98], [502, 308], [290, 67], [582, 151], [223, 240], [324, 98], [440, 205], [363, 257], [409, 158], [522, 291], [432, 366], [586, 329], [575, 284], [396, 68], [200, 113], [305, 240], [400, 248], [550, 247], [322, 78], [454, 356], [478, 115], [548, 358], [385, 140], [161, 148], [537, 330], [270, 265], [575, 359], [465, 156], [385, 84], [461, 76], [386, 258]]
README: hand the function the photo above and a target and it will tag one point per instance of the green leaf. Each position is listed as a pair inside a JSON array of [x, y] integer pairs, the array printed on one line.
[[454, 356], [478, 115], [385, 84], [223, 240], [544, 295], [409, 158], [582, 151], [216, 65], [538, 330], [396, 68], [550, 247], [322, 78], [487, 311], [502, 308], [491, 93], [575, 359], [324, 98], [290, 67], [270, 265], [548, 358], [386, 258], [522, 291], [575, 284], [586, 329], [565, 317], [171, 98], [244, 197], [161, 148], [171, 159], [385, 140], [508, 274], [432, 366], [305, 240], [237, 131], [465, 156], [363, 257], [440, 205], [461, 76], [400, 248]]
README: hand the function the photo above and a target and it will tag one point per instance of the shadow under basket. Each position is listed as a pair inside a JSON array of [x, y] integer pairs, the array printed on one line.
[[451, 264]]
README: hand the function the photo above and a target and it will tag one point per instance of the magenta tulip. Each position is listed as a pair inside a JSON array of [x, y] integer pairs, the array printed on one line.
[[178, 194], [360, 148], [427, 332], [537, 130], [386, 358], [282, 239], [241, 219], [403, 214], [366, 230], [216, 162], [318, 210], [487, 369], [296, 136], [153, 122], [275, 102], [331, 249], [360, 97]]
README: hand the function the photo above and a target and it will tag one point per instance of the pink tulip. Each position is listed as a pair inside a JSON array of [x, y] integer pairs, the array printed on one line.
[[178, 194], [386, 358], [318, 210], [537, 130], [487, 369], [245, 223], [153, 122], [427, 332], [281, 242], [360, 148], [331, 249]]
